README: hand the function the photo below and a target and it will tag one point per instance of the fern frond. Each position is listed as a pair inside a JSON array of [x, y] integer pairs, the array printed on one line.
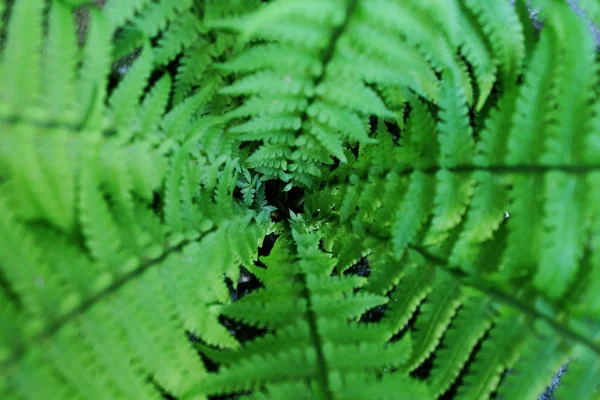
[[181, 33], [308, 311], [153, 107], [194, 64], [456, 143], [558, 269], [405, 299], [318, 75], [126, 96]]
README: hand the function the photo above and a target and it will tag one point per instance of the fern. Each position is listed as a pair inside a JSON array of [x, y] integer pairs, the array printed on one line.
[[109, 261], [340, 199], [308, 314]]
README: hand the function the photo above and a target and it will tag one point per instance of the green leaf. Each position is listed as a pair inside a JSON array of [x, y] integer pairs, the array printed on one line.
[[434, 317], [465, 331], [60, 59], [501, 24], [125, 99], [20, 79], [498, 352], [412, 213], [404, 300], [153, 107]]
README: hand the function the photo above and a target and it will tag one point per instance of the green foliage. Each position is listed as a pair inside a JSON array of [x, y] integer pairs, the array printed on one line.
[[428, 171], [317, 348]]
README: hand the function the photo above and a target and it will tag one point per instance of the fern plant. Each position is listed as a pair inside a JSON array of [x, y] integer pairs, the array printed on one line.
[[412, 187]]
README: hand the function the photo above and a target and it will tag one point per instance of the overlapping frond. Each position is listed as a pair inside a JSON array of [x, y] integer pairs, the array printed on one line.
[[309, 81], [317, 347], [509, 200], [98, 278]]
